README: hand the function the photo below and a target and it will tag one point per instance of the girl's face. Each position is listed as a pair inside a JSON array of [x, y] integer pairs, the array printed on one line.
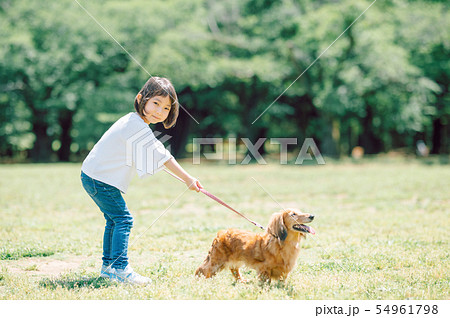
[[157, 109]]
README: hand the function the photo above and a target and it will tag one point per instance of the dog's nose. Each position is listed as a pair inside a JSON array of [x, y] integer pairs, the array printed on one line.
[[311, 217]]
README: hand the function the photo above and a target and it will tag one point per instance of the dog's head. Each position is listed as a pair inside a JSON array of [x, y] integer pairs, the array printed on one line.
[[289, 220]]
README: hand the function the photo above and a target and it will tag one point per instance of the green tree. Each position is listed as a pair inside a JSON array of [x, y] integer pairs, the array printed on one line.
[[51, 62], [365, 90], [424, 33], [383, 84]]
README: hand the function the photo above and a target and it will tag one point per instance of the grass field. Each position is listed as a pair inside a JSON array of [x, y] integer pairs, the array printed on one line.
[[382, 231]]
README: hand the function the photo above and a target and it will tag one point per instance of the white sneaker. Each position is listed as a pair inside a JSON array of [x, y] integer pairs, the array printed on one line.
[[128, 275], [107, 272]]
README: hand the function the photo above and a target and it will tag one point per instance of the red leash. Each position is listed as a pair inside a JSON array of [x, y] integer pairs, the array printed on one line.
[[212, 196]]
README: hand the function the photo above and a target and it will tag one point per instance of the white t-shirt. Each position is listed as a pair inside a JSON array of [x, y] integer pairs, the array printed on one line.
[[128, 147]]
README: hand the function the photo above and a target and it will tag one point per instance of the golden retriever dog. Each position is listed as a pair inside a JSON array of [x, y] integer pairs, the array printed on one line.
[[272, 254]]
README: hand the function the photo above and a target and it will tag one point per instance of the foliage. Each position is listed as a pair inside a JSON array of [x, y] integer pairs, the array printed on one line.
[[383, 84]]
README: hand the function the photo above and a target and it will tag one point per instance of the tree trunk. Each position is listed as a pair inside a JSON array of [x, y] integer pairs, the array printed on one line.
[[179, 134], [437, 136], [250, 95], [42, 148], [330, 142], [368, 140], [65, 120]]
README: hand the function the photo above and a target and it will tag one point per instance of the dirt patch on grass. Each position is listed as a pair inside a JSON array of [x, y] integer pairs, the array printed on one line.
[[45, 266]]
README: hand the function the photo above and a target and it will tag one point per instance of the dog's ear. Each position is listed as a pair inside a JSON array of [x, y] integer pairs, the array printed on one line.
[[277, 228]]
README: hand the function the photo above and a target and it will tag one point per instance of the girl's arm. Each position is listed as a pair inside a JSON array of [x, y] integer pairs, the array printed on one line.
[[191, 182]]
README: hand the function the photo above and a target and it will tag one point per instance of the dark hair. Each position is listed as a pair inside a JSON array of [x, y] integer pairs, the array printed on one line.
[[159, 86]]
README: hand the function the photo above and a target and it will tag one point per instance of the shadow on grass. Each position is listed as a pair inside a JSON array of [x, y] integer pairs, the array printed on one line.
[[73, 281], [435, 160], [17, 253], [288, 287]]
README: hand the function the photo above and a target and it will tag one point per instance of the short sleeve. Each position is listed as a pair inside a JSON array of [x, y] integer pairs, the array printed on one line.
[[155, 156], [146, 153]]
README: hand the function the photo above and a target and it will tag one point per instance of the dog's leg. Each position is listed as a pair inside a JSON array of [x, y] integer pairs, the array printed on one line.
[[236, 273], [264, 277]]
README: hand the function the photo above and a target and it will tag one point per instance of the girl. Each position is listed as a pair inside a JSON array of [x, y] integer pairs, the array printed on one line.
[[127, 148]]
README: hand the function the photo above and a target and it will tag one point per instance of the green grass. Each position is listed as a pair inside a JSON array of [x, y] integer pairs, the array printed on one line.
[[382, 231]]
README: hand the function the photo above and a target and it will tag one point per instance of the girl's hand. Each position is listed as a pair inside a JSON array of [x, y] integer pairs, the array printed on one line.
[[194, 184], [178, 172]]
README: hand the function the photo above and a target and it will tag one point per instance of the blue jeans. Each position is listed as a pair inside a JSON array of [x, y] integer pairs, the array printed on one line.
[[119, 220]]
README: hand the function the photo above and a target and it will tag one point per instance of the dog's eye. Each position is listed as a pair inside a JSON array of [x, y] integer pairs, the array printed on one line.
[[292, 214]]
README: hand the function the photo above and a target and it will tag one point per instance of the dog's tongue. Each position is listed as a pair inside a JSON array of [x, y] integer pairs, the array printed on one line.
[[310, 229]]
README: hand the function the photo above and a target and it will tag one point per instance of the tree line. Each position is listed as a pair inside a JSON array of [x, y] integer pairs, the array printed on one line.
[[382, 85]]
